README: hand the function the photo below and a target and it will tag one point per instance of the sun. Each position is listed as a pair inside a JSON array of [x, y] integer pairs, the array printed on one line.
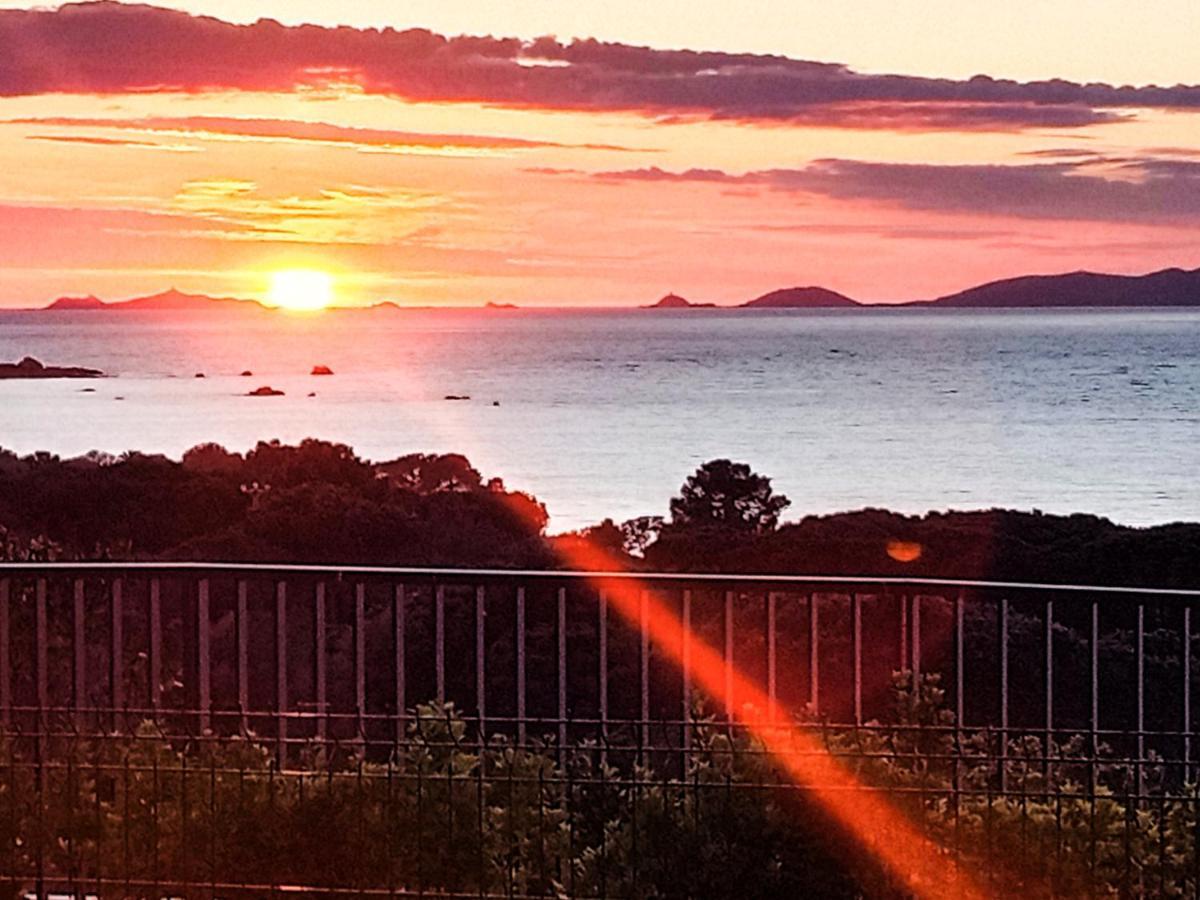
[[301, 290]]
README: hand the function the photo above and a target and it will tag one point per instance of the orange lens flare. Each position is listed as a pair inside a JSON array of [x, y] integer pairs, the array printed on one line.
[[885, 832], [926, 869], [904, 551]]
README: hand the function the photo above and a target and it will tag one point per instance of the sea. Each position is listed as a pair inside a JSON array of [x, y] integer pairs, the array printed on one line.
[[604, 413]]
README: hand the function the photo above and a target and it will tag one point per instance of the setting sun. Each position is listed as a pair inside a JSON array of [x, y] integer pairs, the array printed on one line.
[[300, 290]]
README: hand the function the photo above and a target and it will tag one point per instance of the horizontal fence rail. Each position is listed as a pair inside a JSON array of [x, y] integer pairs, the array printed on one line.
[[191, 729]]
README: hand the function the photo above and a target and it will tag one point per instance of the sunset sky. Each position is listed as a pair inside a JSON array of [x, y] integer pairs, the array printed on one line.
[[583, 154]]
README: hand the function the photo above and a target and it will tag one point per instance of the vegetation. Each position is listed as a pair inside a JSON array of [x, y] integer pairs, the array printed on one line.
[[445, 814], [320, 502], [727, 496]]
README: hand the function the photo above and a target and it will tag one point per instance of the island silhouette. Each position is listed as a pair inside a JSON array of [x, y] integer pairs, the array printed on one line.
[[1167, 287], [1173, 287]]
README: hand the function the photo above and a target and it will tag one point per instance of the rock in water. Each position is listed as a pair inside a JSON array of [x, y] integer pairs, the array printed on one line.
[[32, 368]]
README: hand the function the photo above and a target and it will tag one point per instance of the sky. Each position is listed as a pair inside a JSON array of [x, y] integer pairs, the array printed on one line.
[[545, 153]]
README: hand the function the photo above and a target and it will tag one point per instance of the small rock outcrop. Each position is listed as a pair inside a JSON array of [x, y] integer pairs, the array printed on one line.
[[247, 374], [265, 391], [32, 368], [674, 301], [77, 303], [321, 370], [457, 397]]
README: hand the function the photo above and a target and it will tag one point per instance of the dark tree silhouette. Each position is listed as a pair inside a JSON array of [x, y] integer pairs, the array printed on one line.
[[728, 496], [640, 533], [432, 473]]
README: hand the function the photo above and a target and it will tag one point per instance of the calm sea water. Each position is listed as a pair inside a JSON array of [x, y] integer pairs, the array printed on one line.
[[605, 413]]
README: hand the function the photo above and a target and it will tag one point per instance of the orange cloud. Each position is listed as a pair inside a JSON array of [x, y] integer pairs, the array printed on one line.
[[370, 139], [110, 47]]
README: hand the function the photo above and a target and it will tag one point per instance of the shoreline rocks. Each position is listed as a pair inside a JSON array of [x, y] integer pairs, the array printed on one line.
[[32, 368]]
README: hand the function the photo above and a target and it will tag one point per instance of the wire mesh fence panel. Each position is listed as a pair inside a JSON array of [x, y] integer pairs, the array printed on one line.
[[242, 731]]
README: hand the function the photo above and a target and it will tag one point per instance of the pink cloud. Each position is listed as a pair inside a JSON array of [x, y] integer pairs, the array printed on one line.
[[293, 130], [109, 47], [1142, 189]]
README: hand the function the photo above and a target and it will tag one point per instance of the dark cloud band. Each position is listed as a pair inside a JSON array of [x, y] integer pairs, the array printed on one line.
[[1143, 189], [109, 47]]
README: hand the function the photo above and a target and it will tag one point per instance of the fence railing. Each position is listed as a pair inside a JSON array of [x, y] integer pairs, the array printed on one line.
[[173, 729]]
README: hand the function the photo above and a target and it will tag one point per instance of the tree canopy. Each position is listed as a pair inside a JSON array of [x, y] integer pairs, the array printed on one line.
[[727, 495]]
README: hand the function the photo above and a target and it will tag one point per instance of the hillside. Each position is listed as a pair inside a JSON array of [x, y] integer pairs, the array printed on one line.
[[170, 301], [801, 298], [1169, 287], [674, 301]]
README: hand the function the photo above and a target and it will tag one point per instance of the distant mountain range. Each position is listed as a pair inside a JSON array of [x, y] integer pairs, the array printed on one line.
[[168, 301], [178, 301], [785, 298], [1169, 287]]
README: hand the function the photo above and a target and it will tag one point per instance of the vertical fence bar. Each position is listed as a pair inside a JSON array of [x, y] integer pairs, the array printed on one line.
[[904, 658], [729, 655], [856, 637], [772, 658], [320, 663], [602, 686], [1003, 694], [1049, 640], [916, 640], [360, 660], [1094, 676], [960, 603], [560, 628], [814, 654], [399, 663], [203, 659], [5, 657], [242, 623], [117, 652], [79, 654], [643, 666], [481, 660], [156, 660], [41, 656], [439, 639], [685, 616], [1141, 694], [281, 672], [1187, 694], [521, 730]]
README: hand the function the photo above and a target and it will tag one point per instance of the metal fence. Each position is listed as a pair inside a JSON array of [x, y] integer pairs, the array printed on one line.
[[245, 730]]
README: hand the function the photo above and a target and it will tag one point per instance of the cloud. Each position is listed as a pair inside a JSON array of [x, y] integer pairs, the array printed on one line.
[[234, 209], [111, 142], [1107, 189], [372, 139], [110, 47]]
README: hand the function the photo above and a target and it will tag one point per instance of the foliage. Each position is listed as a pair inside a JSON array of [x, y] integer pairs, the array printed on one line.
[[728, 496], [444, 814], [320, 502], [314, 502], [1047, 832]]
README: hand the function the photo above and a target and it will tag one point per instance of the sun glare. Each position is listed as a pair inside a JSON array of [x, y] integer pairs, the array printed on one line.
[[302, 290]]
